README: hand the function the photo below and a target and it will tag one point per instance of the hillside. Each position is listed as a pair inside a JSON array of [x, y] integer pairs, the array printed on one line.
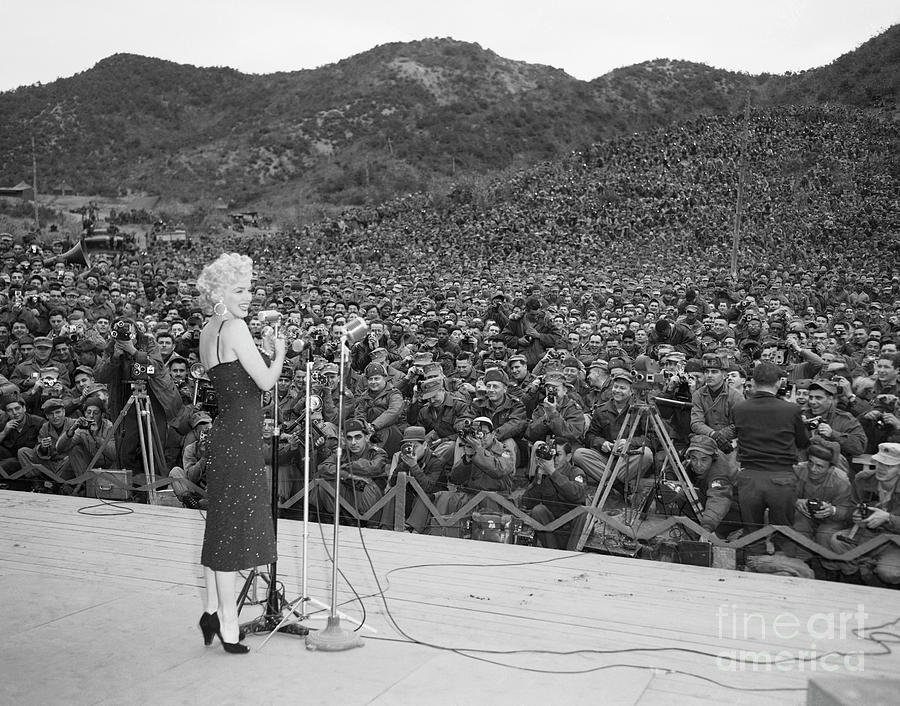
[[398, 118]]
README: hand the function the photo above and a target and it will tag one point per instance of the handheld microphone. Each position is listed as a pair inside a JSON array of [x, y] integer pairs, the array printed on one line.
[[269, 316]]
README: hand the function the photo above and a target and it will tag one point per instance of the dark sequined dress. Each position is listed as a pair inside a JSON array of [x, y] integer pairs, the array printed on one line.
[[239, 529]]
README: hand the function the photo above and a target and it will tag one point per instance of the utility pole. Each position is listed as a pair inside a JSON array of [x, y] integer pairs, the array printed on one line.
[[37, 222], [742, 177]]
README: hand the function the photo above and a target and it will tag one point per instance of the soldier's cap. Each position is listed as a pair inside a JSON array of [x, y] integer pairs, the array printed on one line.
[[487, 422], [711, 362], [623, 375], [354, 425], [703, 444], [53, 403], [414, 434], [95, 387], [888, 454], [199, 417], [554, 377], [820, 451], [432, 370], [43, 342], [373, 369], [517, 359], [825, 385], [495, 375], [430, 386], [599, 363]]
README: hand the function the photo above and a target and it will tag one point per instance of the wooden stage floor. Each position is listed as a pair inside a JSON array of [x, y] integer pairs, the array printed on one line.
[[103, 610]]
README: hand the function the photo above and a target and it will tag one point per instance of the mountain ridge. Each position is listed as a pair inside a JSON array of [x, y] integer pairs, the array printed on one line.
[[400, 117]]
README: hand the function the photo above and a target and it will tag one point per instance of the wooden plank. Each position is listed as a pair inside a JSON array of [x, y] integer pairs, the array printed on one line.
[[460, 593]]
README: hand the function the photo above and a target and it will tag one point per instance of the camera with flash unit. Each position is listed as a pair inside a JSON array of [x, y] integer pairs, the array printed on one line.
[[814, 505], [546, 450], [141, 372], [468, 430], [123, 330]]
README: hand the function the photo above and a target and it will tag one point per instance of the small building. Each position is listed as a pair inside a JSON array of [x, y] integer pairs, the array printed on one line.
[[22, 191]]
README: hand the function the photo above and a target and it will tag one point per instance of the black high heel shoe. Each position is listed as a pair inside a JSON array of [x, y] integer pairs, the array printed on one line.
[[235, 648], [209, 626]]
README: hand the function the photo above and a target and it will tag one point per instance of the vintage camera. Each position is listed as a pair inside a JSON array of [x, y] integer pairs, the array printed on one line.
[[546, 450], [317, 379], [864, 510], [139, 371], [32, 300], [785, 388], [781, 354], [884, 404], [318, 335], [82, 423], [123, 331], [203, 440], [469, 431], [813, 505], [73, 332], [205, 397], [408, 448], [812, 423], [550, 393], [555, 354]]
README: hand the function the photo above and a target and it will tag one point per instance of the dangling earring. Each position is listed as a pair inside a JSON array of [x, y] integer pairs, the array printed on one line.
[[220, 309]]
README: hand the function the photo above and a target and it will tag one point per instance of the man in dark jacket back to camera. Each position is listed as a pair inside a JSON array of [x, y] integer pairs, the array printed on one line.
[[770, 431]]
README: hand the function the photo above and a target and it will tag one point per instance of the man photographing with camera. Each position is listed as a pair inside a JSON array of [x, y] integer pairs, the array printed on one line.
[[557, 487], [878, 511], [132, 364]]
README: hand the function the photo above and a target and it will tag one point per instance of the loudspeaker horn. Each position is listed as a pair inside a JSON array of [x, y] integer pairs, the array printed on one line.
[[75, 255]]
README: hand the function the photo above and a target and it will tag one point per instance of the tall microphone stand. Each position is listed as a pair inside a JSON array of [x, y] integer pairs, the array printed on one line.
[[272, 618], [305, 598], [334, 638]]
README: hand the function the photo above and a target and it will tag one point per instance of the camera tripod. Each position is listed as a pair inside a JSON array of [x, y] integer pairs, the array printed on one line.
[[150, 445], [639, 414]]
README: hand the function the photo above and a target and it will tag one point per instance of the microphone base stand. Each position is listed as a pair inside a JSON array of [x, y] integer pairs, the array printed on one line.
[[272, 618], [334, 638]]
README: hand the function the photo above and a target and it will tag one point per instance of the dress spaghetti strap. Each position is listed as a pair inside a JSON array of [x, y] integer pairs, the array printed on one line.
[[218, 333]]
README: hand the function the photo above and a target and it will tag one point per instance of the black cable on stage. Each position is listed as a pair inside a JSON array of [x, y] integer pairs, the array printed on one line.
[[469, 652], [116, 507]]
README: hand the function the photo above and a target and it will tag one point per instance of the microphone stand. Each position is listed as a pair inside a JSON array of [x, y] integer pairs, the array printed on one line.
[[271, 619], [334, 638], [304, 598]]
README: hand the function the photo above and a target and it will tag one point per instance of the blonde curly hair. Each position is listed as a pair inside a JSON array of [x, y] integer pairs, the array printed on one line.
[[220, 274]]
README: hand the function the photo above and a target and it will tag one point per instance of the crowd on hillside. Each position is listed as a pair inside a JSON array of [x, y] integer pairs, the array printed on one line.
[[510, 330]]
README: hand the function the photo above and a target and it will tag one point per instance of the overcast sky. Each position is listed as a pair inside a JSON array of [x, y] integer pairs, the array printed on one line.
[[48, 39]]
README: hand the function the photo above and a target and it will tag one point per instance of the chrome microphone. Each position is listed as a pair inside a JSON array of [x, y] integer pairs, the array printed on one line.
[[269, 316]]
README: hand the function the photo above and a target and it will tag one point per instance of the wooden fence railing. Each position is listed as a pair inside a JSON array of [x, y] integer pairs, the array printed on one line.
[[397, 522]]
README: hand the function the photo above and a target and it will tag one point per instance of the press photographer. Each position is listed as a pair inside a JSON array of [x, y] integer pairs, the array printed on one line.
[[481, 462], [878, 512], [557, 487], [89, 433], [824, 499], [131, 364], [836, 429], [416, 459]]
